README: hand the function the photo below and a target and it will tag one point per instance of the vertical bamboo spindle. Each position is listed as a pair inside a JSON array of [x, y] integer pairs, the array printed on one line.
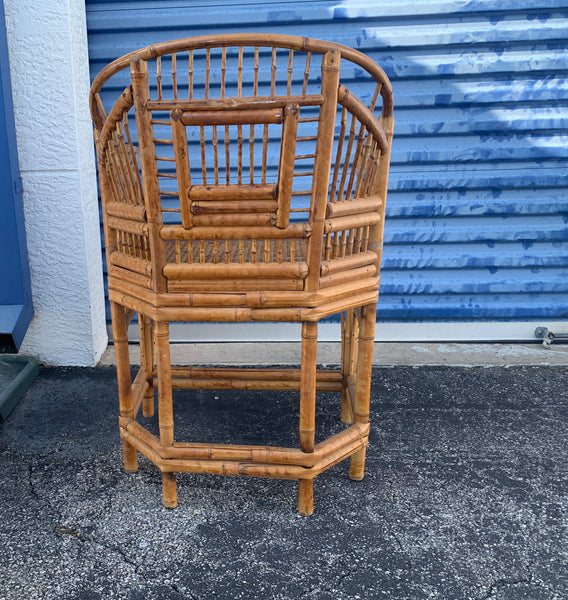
[[165, 407], [306, 73], [379, 186], [337, 167], [147, 363], [133, 159], [348, 157], [159, 76], [174, 75], [124, 166], [290, 72], [190, 73], [349, 332], [322, 165], [119, 328], [226, 139], [363, 383], [307, 410], [251, 133]]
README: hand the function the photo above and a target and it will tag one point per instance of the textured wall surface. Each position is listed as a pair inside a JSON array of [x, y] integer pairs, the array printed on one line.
[[50, 81]]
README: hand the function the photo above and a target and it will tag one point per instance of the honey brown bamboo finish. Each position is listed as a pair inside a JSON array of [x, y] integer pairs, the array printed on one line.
[[147, 363], [353, 437], [253, 189]]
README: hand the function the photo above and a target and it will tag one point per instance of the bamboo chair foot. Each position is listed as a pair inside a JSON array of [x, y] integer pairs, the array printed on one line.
[[306, 497], [130, 458], [169, 490], [148, 405], [346, 415], [357, 466]]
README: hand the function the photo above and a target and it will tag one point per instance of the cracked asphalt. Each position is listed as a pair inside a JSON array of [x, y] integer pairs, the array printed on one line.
[[465, 497]]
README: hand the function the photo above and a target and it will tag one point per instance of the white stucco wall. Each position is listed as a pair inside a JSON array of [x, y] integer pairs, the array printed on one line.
[[49, 68]]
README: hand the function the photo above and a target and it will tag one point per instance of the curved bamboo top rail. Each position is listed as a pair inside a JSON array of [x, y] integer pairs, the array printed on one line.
[[240, 39]]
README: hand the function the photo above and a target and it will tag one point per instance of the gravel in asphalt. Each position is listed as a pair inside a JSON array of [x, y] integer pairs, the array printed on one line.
[[465, 496]]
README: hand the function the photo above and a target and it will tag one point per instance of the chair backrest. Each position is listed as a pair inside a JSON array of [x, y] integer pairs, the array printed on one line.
[[251, 165]]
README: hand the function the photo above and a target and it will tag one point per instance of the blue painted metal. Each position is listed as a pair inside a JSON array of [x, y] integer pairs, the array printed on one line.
[[478, 205], [15, 292]]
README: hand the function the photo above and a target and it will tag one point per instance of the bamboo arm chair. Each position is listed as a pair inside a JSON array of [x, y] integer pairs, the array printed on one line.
[[242, 181]]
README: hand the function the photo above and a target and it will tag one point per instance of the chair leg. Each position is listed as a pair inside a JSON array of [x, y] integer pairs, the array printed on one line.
[[169, 490], [307, 410], [349, 341], [120, 338], [165, 406], [147, 363], [363, 382], [306, 497]]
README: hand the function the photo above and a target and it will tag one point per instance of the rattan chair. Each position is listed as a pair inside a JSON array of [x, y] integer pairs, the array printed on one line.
[[242, 180]]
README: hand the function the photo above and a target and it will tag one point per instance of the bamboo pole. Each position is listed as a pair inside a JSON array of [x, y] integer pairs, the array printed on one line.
[[147, 150], [350, 222], [232, 117], [349, 340], [293, 471], [343, 208], [356, 107], [348, 276], [322, 375], [163, 365], [129, 276], [338, 155], [234, 467], [269, 455], [347, 263], [297, 270], [199, 193], [183, 170], [235, 285], [239, 313], [139, 389], [165, 407], [308, 386], [363, 382], [286, 168], [234, 206], [293, 231], [147, 362], [169, 490], [322, 165], [252, 384], [138, 265], [120, 336], [126, 211], [129, 226], [244, 220]]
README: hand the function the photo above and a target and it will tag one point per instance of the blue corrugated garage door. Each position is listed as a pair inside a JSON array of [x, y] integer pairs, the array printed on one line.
[[478, 205]]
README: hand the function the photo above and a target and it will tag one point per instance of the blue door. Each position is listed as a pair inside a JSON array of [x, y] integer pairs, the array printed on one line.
[[15, 293]]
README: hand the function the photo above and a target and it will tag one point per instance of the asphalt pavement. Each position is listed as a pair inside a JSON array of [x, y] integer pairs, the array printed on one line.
[[465, 495]]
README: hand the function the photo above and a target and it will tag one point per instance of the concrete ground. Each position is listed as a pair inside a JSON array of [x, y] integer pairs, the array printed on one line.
[[466, 493]]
